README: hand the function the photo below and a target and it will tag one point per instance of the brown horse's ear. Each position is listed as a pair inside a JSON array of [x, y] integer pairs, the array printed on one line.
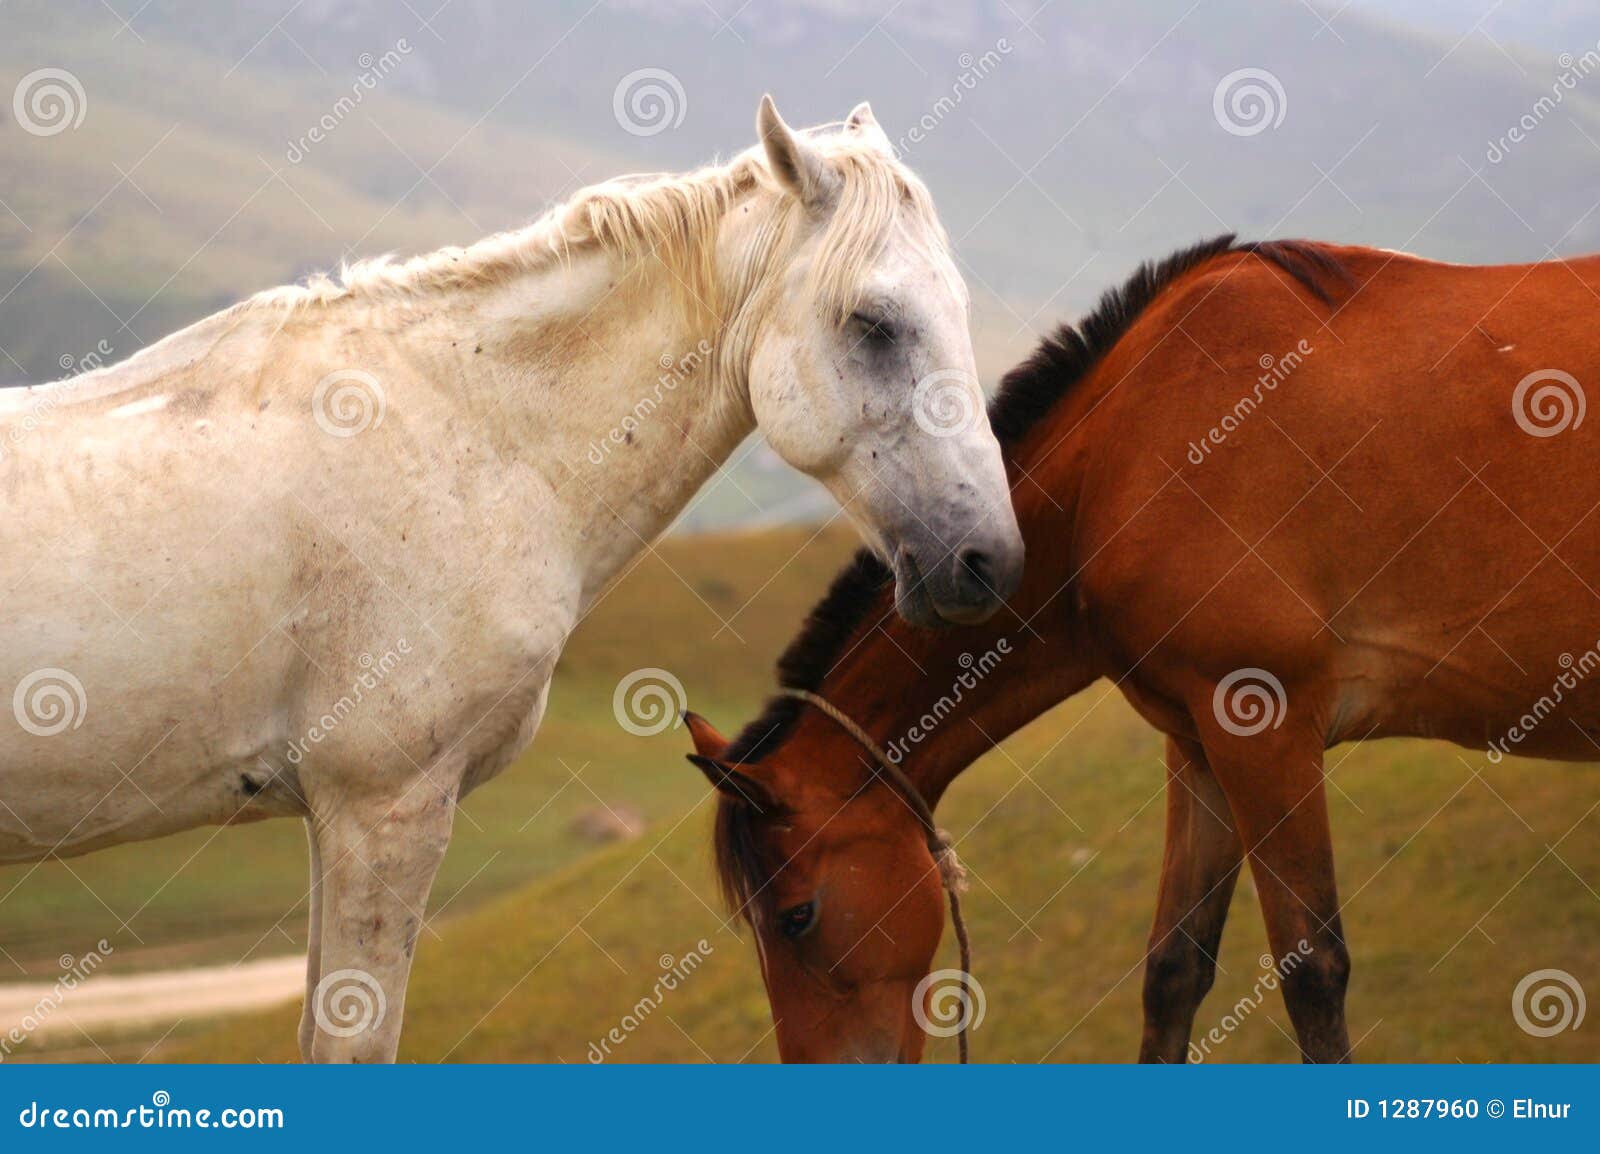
[[734, 783], [707, 741]]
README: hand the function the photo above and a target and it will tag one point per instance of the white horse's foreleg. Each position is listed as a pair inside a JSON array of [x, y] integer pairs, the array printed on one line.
[[308, 1018], [379, 856]]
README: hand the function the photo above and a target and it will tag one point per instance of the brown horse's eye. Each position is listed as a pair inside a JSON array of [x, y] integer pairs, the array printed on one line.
[[796, 920]]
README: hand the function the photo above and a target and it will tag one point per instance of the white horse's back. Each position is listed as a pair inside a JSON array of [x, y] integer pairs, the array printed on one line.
[[136, 557]]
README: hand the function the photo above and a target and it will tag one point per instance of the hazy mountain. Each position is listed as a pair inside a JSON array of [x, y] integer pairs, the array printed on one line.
[[1064, 141], [1555, 25]]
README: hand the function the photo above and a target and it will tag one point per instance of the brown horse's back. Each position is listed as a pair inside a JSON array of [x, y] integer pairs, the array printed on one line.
[[1387, 499]]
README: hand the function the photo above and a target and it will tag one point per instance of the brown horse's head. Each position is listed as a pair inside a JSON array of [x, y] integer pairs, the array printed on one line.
[[834, 874]]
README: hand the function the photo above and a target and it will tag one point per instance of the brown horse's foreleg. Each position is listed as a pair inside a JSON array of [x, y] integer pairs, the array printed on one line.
[[1198, 872], [1274, 785]]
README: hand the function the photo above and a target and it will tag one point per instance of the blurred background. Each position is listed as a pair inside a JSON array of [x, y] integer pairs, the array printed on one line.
[[161, 159]]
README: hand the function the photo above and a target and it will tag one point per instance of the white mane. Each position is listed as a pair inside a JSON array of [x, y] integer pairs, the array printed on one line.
[[673, 217]]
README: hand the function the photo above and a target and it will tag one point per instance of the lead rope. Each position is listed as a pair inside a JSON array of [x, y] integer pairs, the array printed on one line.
[[951, 871]]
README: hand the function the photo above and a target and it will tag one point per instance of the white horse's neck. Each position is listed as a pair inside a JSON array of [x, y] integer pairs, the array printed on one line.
[[594, 373]]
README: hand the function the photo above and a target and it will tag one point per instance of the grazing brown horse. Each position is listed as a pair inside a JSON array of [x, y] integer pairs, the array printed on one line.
[[1283, 496]]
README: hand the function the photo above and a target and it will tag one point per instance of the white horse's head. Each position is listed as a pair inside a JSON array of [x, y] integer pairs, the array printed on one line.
[[862, 373]]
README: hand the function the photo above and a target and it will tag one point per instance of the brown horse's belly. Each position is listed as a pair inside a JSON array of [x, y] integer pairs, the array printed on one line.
[[1462, 698]]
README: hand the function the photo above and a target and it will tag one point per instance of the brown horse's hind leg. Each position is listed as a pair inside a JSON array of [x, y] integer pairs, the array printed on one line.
[[1198, 872], [1274, 785]]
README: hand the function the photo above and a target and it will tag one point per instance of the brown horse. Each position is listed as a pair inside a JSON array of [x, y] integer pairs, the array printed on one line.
[[1283, 496]]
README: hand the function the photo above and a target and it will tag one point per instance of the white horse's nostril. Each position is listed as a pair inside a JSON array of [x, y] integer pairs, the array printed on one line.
[[975, 565]]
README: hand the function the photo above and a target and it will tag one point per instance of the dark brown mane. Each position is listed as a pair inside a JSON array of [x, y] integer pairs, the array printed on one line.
[[1027, 394], [1064, 358]]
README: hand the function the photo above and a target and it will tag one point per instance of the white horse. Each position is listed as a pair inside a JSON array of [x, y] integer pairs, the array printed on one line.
[[317, 555]]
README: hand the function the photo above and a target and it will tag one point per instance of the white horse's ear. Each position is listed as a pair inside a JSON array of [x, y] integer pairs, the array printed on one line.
[[794, 163], [864, 124]]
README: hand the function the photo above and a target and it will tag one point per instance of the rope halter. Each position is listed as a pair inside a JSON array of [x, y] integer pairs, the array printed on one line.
[[951, 872]]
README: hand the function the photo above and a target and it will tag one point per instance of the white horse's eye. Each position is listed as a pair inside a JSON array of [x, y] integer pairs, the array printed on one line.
[[874, 329]]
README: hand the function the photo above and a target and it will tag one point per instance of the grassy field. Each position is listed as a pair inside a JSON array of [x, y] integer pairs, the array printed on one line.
[[1459, 877]]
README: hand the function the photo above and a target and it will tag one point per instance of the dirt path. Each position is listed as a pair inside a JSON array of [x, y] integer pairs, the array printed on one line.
[[38, 1008]]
